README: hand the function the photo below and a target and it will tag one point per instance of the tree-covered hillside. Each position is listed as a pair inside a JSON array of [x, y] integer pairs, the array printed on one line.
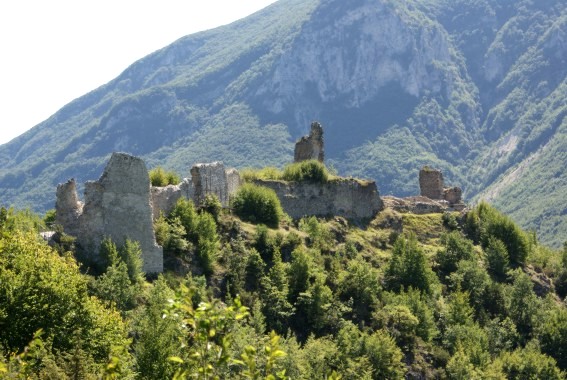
[[400, 296], [475, 88]]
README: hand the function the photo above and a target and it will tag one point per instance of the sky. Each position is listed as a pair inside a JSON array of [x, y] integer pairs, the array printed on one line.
[[55, 51]]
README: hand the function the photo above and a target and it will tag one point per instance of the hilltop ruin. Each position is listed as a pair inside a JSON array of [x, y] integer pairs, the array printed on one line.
[[122, 204]]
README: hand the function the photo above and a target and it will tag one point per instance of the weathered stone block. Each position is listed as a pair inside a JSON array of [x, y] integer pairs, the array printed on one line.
[[311, 147], [164, 198], [233, 180]]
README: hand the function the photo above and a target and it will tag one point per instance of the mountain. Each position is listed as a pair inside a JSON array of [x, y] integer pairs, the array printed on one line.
[[475, 88]]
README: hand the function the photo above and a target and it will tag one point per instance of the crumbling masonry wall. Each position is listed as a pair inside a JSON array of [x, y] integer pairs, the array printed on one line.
[[310, 147], [349, 198], [431, 183], [206, 178], [118, 206], [432, 186], [68, 207]]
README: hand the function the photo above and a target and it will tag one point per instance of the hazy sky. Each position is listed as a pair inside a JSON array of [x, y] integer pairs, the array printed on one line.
[[57, 50]]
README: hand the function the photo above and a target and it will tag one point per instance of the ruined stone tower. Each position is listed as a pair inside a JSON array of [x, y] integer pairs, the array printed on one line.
[[431, 183], [432, 186], [118, 206], [310, 147]]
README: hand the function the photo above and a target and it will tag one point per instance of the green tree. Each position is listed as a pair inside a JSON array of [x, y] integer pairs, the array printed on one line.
[[552, 334], [484, 223], [527, 363], [274, 294], [384, 355], [212, 205], [359, 287], [473, 279], [460, 367], [408, 266], [400, 323], [40, 290], [157, 337], [456, 248], [497, 257], [184, 211], [523, 304], [208, 241]]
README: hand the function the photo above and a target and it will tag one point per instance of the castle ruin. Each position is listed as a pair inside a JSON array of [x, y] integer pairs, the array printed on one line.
[[117, 206], [122, 204], [432, 186], [310, 147]]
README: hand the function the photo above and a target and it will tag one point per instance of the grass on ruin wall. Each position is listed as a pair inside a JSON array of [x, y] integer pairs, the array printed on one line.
[[306, 171]]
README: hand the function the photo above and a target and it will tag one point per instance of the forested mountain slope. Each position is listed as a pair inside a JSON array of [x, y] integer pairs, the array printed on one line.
[[476, 88]]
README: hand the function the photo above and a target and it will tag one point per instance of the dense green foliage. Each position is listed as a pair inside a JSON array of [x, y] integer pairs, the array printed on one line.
[[352, 303], [257, 204]]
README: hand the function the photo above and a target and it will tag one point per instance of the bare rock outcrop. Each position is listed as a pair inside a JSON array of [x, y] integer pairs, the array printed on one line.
[[311, 147]]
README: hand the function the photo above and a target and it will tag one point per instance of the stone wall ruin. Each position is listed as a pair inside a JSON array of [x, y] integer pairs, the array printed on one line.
[[432, 186], [206, 178], [349, 198], [117, 206], [310, 147]]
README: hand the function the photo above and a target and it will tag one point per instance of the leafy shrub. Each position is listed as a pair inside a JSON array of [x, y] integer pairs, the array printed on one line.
[[309, 171], [185, 212], [258, 204], [41, 290], [49, 218], [160, 177], [319, 234]]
